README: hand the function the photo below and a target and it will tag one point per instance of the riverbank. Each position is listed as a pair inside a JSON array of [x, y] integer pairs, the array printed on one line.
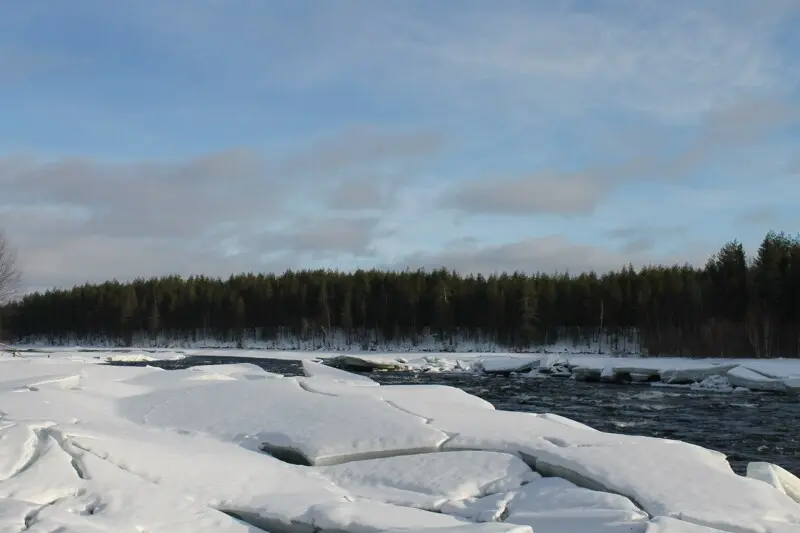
[[723, 375], [764, 423], [623, 344], [114, 448]]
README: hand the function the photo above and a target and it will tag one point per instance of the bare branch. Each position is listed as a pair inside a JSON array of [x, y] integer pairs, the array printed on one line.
[[9, 275]]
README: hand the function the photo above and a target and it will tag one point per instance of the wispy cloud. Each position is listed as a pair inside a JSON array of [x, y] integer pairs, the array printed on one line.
[[662, 155], [668, 61], [551, 253], [664, 60], [217, 202], [321, 237], [567, 194]]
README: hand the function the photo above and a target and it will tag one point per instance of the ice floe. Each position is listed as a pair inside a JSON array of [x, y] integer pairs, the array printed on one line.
[[316, 370], [708, 374], [741, 376], [86, 447], [273, 416], [428, 481], [776, 476], [556, 505], [712, 374]]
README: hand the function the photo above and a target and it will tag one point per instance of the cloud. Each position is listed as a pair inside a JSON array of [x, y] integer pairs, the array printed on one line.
[[97, 258], [645, 239], [760, 216], [550, 254], [794, 166], [778, 216], [664, 60], [653, 157], [170, 199], [359, 147], [82, 218], [143, 199], [358, 194], [667, 61], [19, 64], [568, 194], [336, 235]]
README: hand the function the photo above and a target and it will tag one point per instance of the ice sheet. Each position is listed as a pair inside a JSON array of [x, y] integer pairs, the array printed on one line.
[[525, 434], [427, 481], [256, 486], [490, 508], [287, 420], [369, 516], [744, 377], [554, 505], [559, 362], [313, 369], [88, 447], [56, 488], [663, 524], [776, 476], [501, 364], [669, 478], [470, 528], [366, 363], [427, 401]]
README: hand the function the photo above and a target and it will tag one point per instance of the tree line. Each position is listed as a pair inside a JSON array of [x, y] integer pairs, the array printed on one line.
[[734, 306]]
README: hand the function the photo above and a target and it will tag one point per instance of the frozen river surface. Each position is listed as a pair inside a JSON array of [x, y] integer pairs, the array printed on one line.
[[745, 426]]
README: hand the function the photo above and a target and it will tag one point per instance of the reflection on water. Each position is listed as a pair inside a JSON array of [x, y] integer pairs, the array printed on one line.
[[746, 427]]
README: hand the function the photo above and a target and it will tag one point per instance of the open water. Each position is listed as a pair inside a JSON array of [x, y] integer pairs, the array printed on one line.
[[745, 426]]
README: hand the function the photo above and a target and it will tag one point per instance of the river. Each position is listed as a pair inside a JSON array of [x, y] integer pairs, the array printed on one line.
[[745, 426]]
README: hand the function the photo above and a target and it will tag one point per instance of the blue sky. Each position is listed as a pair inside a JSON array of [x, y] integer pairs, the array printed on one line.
[[175, 136]]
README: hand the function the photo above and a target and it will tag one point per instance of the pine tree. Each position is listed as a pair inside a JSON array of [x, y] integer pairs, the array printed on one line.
[[732, 306]]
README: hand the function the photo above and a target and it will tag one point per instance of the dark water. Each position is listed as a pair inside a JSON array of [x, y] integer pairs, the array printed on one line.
[[745, 426]]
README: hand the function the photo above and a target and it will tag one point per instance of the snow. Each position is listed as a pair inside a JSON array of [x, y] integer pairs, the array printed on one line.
[[674, 479], [706, 374], [499, 364], [745, 377], [718, 375], [142, 357], [424, 401], [472, 528], [716, 383], [367, 363], [327, 373], [663, 524], [428, 481], [777, 477], [87, 447], [280, 416], [556, 505], [711, 374], [338, 340]]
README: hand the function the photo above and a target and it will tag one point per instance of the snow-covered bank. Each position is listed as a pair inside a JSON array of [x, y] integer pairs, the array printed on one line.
[[713, 374], [569, 341], [95, 448], [769, 375]]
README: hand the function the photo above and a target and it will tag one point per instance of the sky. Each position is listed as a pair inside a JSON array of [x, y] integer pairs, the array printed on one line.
[[151, 137]]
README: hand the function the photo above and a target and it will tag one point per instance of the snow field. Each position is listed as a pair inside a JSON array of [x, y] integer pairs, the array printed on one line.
[[94, 448]]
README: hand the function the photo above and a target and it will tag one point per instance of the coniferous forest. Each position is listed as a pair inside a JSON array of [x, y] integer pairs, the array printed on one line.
[[734, 306]]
